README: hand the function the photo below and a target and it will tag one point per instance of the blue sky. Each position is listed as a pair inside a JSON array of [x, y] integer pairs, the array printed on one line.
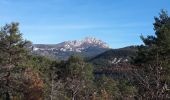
[[117, 22]]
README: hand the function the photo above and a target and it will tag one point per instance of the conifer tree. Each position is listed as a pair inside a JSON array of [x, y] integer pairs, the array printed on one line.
[[12, 56], [153, 61], [158, 43]]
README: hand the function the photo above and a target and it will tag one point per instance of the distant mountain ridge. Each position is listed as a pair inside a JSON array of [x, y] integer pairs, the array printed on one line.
[[88, 47]]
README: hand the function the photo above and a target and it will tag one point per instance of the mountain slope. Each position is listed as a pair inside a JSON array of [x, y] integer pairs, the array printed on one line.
[[114, 57], [88, 47]]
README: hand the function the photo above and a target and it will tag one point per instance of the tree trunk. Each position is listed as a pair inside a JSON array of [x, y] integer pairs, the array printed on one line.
[[52, 87], [7, 96], [73, 97]]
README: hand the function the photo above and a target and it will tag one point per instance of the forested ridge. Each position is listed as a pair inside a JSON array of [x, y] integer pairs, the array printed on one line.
[[25, 76]]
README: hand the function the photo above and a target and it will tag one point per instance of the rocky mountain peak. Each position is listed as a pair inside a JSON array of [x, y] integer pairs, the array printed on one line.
[[90, 40], [97, 42], [87, 41], [88, 46]]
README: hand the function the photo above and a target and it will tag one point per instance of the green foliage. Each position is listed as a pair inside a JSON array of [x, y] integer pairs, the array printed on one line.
[[15, 64], [127, 89], [115, 89], [40, 64], [12, 46], [102, 60], [12, 58], [160, 43], [153, 61], [108, 84], [78, 68], [74, 78]]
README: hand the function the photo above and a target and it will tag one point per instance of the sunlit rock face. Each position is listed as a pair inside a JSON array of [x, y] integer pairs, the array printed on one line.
[[88, 47]]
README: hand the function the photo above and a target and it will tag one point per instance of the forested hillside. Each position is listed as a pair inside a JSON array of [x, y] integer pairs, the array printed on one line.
[[132, 73], [114, 57]]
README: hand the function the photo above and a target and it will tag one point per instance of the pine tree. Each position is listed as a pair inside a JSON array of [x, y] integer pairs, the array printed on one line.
[[153, 61], [12, 56], [158, 43]]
